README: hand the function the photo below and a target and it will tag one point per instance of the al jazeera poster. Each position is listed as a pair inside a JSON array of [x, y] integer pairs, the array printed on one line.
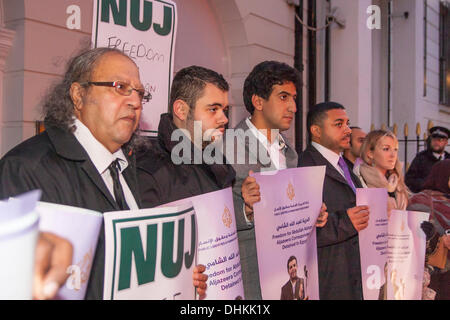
[[286, 244], [218, 248], [146, 32], [392, 249]]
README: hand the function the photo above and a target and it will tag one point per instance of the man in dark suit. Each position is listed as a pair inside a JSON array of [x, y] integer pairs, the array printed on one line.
[[421, 165], [337, 242], [85, 157], [294, 289]]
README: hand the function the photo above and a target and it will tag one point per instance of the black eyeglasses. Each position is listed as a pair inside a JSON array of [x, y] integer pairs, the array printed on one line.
[[123, 89]]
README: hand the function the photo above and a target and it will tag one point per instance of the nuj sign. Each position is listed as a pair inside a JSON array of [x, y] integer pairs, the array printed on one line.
[[146, 31]]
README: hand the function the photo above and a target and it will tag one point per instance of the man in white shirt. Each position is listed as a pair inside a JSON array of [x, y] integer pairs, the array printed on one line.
[[337, 242], [270, 92]]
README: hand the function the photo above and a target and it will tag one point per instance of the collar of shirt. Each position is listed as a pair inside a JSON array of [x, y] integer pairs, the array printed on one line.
[[438, 155], [279, 141], [97, 152], [331, 156]]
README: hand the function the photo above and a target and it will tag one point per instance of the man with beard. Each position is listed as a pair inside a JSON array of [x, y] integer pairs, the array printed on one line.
[[337, 242], [173, 168], [294, 289], [421, 166], [198, 105]]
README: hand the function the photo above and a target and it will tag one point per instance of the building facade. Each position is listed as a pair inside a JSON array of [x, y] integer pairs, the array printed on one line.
[[381, 59]]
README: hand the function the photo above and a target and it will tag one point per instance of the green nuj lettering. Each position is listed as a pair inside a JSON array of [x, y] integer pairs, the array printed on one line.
[[169, 268], [189, 256], [134, 15], [132, 243], [119, 14], [167, 23]]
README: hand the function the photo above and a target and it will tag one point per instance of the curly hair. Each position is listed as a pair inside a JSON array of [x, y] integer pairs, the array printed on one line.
[[57, 106], [263, 77]]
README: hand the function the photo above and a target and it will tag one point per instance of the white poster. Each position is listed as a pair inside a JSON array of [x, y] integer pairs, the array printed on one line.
[[373, 241], [69, 222], [406, 255], [150, 254], [285, 230], [146, 32], [19, 223], [218, 248]]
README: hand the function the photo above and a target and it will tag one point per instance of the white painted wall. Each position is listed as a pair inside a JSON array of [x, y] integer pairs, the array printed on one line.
[[410, 105], [351, 62]]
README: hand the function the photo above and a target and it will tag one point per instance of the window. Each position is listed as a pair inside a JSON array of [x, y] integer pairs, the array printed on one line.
[[444, 53]]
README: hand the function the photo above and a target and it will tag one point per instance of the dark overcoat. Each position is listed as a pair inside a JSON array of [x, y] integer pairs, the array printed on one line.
[[56, 163], [337, 242]]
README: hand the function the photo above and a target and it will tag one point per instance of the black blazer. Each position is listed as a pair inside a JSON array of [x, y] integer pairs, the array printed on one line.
[[56, 163], [337, 241]]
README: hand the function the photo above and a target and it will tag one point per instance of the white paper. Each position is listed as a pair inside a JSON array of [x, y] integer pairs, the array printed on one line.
[[81, 227], [18, 237]]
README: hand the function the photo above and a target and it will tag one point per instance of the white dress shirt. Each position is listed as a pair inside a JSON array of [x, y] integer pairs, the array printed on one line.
[[439, 156], [276, 151], [331, 156], [102, 158]]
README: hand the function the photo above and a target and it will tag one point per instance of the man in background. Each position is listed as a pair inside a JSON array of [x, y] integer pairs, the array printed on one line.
[[356, 140], [294, 289], [423, 162]]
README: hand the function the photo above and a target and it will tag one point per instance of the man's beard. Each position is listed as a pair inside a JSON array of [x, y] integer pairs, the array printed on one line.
[[209, 138]]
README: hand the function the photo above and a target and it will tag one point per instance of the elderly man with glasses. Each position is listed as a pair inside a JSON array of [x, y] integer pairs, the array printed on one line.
[[85, 156]]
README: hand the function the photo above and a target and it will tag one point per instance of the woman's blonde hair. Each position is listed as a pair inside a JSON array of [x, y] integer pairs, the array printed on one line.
[[370, 142]]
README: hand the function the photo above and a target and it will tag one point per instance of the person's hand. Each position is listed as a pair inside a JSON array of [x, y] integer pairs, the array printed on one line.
[[251, 194], [53, 257], [359, 216], [323, 216], [199, 280]]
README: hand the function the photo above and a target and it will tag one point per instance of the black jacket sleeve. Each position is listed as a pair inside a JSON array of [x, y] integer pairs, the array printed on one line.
[[413, 178]]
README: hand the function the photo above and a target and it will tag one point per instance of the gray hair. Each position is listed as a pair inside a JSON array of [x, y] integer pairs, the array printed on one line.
[[58, 107]]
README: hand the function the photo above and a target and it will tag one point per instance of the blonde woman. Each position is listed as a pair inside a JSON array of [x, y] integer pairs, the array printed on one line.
[[382, 169]]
